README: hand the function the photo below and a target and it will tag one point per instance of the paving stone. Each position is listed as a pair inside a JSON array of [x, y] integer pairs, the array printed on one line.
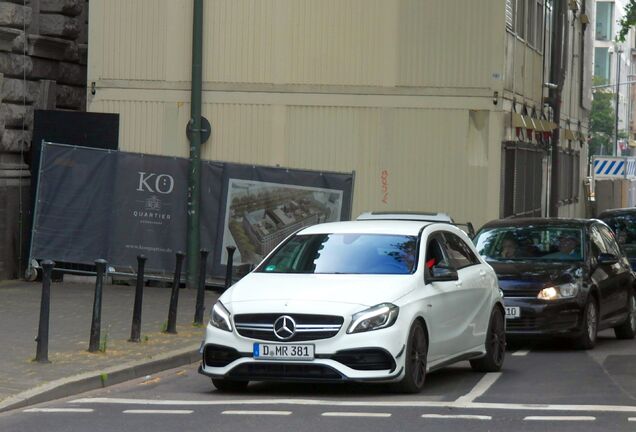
[[71, 310]]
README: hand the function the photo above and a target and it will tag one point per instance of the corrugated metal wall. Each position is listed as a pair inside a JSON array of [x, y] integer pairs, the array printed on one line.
[[400, 89], [432, 159], [327, 42]]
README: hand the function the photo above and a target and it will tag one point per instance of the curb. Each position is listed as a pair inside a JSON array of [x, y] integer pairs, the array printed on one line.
[[70, 386]]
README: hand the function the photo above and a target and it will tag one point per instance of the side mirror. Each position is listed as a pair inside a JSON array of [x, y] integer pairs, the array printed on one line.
[[607, 259], [443, 274]]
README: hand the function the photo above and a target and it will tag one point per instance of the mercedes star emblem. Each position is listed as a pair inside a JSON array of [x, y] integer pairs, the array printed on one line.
[[284, 327]]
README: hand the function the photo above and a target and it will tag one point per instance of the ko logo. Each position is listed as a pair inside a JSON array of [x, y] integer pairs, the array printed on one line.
[[163, 183]]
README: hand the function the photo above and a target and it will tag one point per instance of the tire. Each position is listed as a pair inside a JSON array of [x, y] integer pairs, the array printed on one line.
[[31, 274], [587, 339], [415, 360], [229, 385], [495, 345], [627, 330]]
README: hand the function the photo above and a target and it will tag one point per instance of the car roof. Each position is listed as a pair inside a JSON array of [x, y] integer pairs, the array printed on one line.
[[617, 211], [406, 215], [538, 221], [398, 227]]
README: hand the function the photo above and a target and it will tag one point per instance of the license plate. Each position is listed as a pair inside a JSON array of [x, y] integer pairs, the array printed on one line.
[[283, 352], [513, 312]]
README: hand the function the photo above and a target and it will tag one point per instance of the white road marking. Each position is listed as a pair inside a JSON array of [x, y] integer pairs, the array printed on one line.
[[560, 418], [349, 403], [520, 353], [245, 412], [59, 410], [480, 388], [354, 414], [631, 419], [457, 416], [158, 412]]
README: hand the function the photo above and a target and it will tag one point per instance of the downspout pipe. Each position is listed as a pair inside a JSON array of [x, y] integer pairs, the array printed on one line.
[[557, 76], [194, 175]]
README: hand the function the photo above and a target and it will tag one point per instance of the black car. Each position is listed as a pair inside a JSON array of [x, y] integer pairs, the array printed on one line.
[[623, 223], [560, 277]]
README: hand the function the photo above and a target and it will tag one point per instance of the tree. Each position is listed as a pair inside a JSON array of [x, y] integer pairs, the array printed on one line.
[[602, 119], [627, 21]]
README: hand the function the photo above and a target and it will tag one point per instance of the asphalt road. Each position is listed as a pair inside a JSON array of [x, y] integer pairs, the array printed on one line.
[[543, 387]]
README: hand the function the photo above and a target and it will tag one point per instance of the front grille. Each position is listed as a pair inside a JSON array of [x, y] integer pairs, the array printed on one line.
[[219, 356], [554, 323], [365, 359], [521, 292], [284, 371], [308, 327], [530, 323]]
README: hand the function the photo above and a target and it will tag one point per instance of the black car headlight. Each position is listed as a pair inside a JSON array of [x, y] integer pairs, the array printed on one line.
[[220, 317], [567, 290], [378, 317]]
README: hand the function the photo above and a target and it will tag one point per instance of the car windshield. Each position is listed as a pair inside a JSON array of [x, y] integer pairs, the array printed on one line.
[[624, 226], [540, 243], [344, 254]]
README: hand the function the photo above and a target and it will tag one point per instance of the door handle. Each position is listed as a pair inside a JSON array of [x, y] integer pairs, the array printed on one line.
[[482, 273], [458, 284]]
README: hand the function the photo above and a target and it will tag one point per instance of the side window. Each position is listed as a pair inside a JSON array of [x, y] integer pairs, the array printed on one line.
[[598, 245], [610, 240], [459, 252], [435, 256]]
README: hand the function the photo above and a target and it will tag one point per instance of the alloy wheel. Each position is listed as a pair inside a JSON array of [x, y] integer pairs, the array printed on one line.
[[632, 313], [418, 356], [591, 321], [498, 340]]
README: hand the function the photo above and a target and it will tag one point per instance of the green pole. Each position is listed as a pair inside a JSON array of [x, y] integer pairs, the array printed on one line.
[[194, 177]]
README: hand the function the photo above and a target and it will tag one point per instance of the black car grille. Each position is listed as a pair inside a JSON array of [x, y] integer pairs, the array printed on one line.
[[365, 359], [285, 371], [530, 323], [308, 327], [521, 292], [553, 323]]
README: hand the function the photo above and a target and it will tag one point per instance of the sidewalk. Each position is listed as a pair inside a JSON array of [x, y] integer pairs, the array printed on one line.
[[73, 369]]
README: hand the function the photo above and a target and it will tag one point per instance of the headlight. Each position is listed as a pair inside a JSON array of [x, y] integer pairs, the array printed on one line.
[[377, 317], [220, 317], [567, 290]]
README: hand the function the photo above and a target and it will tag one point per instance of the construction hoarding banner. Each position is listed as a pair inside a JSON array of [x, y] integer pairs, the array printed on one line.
[[115, 205]]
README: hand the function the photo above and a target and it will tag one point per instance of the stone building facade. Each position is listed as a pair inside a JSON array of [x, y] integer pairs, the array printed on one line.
[[43, 56]]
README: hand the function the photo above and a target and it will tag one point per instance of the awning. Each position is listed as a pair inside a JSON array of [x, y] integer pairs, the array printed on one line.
[[518, 121]]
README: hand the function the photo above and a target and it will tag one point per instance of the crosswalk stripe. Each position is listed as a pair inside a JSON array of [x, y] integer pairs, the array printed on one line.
[[158, 412], [560, 418]]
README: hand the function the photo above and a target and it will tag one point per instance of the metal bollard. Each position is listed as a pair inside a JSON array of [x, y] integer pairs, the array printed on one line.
[[228, 267], [174, 296], [93, 345], [135, 330], [200, 305], [42, 351]]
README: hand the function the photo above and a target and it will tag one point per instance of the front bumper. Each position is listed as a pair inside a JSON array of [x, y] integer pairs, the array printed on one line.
[[376, 356], [543, 318]]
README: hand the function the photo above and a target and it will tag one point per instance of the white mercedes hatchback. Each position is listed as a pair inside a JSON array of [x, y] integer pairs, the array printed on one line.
[[368, 300]]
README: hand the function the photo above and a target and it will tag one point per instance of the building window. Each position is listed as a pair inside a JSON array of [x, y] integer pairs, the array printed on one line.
[[531, 23], [525, 18], [522, 179], [602, 63], [569, 176], [604, 20], [520, 25], [510, 14], [539, 24]]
